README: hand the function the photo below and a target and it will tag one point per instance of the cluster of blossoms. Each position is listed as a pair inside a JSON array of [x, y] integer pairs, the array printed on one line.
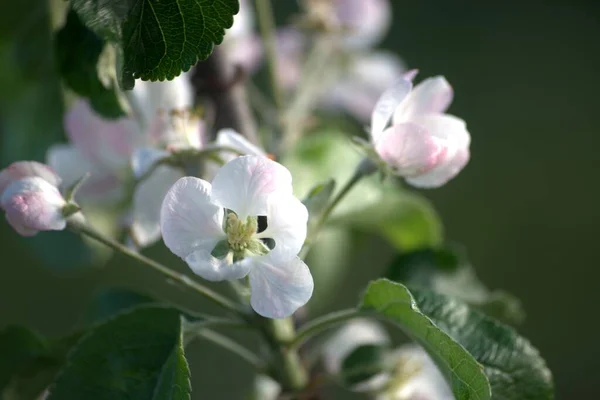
[[246, 222]]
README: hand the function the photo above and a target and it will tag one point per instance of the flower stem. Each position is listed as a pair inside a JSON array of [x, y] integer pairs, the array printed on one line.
[[288, 367], [364, 168], [85, 230], [267, 30], [320, 324]]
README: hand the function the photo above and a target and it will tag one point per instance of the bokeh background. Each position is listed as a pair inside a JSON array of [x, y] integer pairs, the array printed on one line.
[[525, 74]]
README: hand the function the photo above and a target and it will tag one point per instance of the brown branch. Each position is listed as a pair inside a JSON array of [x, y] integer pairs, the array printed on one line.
[[222, 83]]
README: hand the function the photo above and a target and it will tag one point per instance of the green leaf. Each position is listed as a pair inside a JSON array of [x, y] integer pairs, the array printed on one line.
[[137, 355], [406, 219], [29, 362], [464, 374], [447, 327], [447, 270], [364, 363], [79, 52], [108, 302], [158, 39], [318, 197]]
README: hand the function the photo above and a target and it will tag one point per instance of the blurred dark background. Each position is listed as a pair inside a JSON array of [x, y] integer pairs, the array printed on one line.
[[525, 74]]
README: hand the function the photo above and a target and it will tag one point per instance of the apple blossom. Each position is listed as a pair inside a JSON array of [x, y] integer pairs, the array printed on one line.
[[424, 145], [30, 198], [247, 222]]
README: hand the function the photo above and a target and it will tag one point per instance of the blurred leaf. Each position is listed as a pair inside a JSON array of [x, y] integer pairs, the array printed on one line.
[[136, 355], [463, 373], [318, 198], [446, 270], [406, 219], [364, 363], [79, 51], [513, 366], [29, 363], [108, 302], [158, 39]]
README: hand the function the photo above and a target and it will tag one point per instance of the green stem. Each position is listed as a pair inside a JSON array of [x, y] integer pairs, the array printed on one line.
[[228, 344], [83, 229], [320, 324], [364, 168], [266, 24], [288, 367]]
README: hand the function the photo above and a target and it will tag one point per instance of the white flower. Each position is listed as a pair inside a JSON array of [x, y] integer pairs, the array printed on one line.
[[114, 151], [266, 388], [423, 144], [366, 21], [417, 377], [30, 198], [246, 223]]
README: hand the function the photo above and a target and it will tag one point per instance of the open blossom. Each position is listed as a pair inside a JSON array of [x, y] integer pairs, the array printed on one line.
[[113, 151], [246, 223], [411, 374], [30, 198], [423, 144]]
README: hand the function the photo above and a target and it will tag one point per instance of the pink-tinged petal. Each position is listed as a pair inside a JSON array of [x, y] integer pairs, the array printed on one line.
[[245, 183], [23, 169], [386, 105], [189, 221], [444, 172], [367, 21], [287, 221], [147, 202], [366, 78], [144, 158], [214, 269], [150, 98], [410, 149], [447, 127], [101, 187], [358, 332], [433, 95], [279, 287], [410, 75], [102, 141], [231, 139], [32, 204]]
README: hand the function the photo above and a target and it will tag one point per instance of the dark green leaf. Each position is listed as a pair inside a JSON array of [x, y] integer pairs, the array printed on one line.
[[159, 39], [363, 363], [106, 303], [29, 363], [513, 366], [78, 51], [137, 355], [446, 270], [464, 374]]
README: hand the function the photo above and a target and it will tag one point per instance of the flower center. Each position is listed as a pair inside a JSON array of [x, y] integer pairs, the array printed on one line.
[[239, 233]]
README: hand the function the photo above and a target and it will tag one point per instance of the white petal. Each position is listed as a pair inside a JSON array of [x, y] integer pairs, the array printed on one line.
[[445, 126], [355, 333], [144, 158], [423, 380], [266, 388], [213, 269], [189, 221], [385, 106], [232, 139], [32, 204], [22, 169], [102, 186], [287, 219], [367, 21], [279, 287], [443, 172], [410, 149], [244, 184], [147, 201], [103, 141], [433, 95], [149, 98]]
